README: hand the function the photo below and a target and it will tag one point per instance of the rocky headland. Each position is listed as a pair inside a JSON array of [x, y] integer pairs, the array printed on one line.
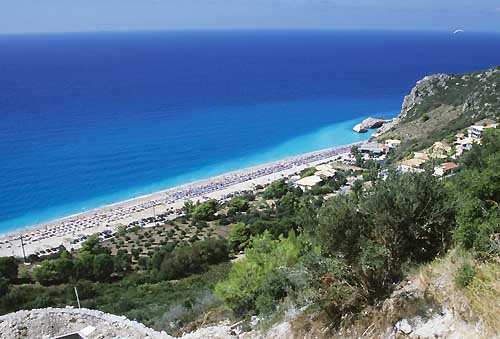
[[369, 123]]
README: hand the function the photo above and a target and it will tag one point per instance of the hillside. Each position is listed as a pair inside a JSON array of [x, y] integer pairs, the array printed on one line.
[[442, 104], [368, 251]]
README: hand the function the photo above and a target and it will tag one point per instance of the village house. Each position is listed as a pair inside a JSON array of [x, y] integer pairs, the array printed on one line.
[[421, 156], [392, 143], [325, 170], [476, 131], [325, 173], [439, 150], [308, 182], [464, 144], [373, 147], [445, 169], [411, 165]]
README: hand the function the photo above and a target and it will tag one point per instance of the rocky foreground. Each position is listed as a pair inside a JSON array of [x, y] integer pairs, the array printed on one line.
[[51, 322]]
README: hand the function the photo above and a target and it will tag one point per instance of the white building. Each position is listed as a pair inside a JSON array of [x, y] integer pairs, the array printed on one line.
[[373, 147], [392, 143], [476, 131], [445, 168], [308, 182], [411, 165]]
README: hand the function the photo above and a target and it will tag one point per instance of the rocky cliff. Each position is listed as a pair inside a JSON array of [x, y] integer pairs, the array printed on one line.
[[441, 104]]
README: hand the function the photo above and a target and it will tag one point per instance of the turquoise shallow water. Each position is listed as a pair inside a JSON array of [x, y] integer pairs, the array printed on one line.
[[92, 119]]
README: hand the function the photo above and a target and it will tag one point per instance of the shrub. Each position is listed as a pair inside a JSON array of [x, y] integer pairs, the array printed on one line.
[[307, 172], [8, 268], [206, 211], [276, 190], [257, 283], [464, 275]]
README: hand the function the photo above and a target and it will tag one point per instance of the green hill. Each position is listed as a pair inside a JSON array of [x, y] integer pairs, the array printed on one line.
[[440, 105]]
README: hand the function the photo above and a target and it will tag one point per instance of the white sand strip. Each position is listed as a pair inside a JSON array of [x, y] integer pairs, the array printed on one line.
[[63, 231]]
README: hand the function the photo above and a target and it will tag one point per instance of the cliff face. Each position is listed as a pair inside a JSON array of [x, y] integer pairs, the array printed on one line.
[[442, 104]]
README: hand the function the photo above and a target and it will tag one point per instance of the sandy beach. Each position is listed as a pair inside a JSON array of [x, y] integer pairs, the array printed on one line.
[[69, 231]]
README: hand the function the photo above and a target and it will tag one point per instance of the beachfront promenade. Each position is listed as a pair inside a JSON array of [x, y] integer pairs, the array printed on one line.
[[71, 230]]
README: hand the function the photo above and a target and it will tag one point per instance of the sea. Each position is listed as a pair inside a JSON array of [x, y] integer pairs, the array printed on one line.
[[88, 119]]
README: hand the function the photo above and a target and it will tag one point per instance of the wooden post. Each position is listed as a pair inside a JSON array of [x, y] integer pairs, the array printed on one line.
[[77, 298], [22, 245]]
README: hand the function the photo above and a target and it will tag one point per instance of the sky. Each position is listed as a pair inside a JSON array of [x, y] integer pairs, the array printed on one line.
[[27, 16]]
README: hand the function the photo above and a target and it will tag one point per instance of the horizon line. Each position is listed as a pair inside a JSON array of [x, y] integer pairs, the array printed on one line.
[[239, 30]]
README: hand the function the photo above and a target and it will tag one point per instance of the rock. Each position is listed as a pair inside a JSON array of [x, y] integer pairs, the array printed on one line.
[[359, 129], [404, 326], [369, 123]]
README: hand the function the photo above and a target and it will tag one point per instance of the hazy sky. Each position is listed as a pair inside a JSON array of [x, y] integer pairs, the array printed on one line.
[[96, 15]]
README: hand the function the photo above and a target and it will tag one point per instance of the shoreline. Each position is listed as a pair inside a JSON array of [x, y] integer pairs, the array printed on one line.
[[64, 231]]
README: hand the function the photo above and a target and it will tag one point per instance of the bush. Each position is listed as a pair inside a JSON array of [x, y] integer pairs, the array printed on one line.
[[237, 204], [8, 269], [307, 172], [258, 282], [464, 275], [405, 218], [276, 189], [477, 189], [206, 211], [188, 259]]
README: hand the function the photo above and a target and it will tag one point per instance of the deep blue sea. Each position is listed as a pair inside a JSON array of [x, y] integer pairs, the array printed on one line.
[[91, 119]]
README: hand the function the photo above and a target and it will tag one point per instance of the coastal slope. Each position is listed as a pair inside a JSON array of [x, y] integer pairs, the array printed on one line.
[[442, 104]]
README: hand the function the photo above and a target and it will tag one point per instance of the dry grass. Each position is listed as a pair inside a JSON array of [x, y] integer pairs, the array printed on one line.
[[483, 294], [479, 301]]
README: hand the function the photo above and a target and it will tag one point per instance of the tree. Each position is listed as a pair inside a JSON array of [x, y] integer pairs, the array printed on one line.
[[93, 246], [4, 286], [411, 215], [8, 268], [240, 236], [206, 211], [276, 189], [287, 205], [237, 204], [340, 225], [83, 266], [259, 282], [477, 190], [188, 207], [102, 267], [307, 172], [121, 261], [46, 273], [64, 267]]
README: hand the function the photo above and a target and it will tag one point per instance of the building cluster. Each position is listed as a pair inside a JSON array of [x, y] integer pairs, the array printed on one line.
[[442, 151], [378, 151], [441, 154], [322, 171]]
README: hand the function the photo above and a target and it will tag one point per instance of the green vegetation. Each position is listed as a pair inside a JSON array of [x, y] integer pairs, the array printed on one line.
[[478, 196], [465, 275], [307, 172], [163, 305], [255, 283], [237, 204], [456, 102], [205, 211], [361, 244], [337, 255], [177, 278], [276, 189], [354, 248]]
